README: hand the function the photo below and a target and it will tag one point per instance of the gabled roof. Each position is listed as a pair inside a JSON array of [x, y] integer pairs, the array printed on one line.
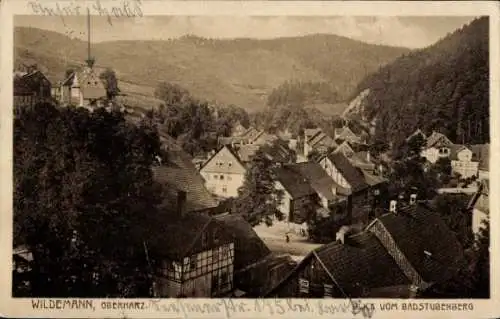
[[231, 150], [177, 172], [248, 246], [320, 181], [177, 235], [374, 180], [361, 262], [352, 174], [295, 184], [435, 139], [345, 132], [418, 131], [417, 230]]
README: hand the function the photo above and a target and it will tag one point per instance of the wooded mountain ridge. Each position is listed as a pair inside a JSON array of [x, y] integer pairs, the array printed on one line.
[[242, 72], [444, 88]]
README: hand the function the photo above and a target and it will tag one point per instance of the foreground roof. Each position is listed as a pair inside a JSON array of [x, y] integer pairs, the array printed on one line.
[[362, 261], [419, 231]]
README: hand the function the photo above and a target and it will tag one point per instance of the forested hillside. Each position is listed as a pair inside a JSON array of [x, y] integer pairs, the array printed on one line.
[[443, 87], [242, 72]]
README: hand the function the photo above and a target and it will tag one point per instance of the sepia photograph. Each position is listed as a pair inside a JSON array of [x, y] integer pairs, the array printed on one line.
[[223, 156]]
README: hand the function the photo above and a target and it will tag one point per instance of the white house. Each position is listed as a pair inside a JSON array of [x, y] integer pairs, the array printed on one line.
[[224, 173], [436, 146], [462, 161]]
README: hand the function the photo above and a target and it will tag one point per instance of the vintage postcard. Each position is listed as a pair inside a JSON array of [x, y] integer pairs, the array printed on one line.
[[219, 159]]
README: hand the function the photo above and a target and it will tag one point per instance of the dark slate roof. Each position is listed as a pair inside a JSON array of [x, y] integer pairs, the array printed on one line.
[[248, 246], [320, 181], [176, 235], [352, 174], [293, 181], [362, 261], [417, 229], [178, 173]]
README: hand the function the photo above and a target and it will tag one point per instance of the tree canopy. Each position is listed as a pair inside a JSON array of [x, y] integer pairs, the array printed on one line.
[[84, 196], [258, 198], [108, 76], [444, 87]]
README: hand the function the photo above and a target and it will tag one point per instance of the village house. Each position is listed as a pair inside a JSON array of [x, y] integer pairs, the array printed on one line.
[[31, 87], [176, 172], [224, 173], [83, 89], [316, 140], [298, 201], [436, 146], [401, 253], [463, 161], [250, 136], [346, 134], [193, 255], [330, 193], [256, 268], [365, 189]]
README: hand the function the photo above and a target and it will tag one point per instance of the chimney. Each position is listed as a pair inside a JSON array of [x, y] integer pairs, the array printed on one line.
[[340, 236], [413, 199], [392, 206], [181, 203]]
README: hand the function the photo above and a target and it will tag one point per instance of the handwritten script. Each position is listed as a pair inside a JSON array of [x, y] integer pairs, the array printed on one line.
[[110, 9], [230, 308]]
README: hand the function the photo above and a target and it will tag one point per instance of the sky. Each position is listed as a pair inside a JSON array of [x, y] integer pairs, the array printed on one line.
[[410, 32]]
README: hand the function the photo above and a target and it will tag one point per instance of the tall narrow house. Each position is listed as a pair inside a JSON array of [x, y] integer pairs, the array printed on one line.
[[84, 88]]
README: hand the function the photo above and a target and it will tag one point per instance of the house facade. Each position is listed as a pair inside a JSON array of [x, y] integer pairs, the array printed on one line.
[[83, 89], [363, 195], [30, 88], [224, 173], [436, 146], [194, 257], [462, 161], [298, 199]]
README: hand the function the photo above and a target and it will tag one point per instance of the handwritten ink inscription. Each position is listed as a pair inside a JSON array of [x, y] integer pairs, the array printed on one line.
[[125, 9]]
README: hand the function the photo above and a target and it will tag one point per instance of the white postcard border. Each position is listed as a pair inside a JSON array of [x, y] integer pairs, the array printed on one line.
[[21, 307]]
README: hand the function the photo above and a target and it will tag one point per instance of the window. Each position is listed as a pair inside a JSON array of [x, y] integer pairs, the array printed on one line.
[[230, 164], [216, 176], [222, 177], [328, 290], [229, 178], [303, 285], [376, 192], [192, 263], [224, 189]]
